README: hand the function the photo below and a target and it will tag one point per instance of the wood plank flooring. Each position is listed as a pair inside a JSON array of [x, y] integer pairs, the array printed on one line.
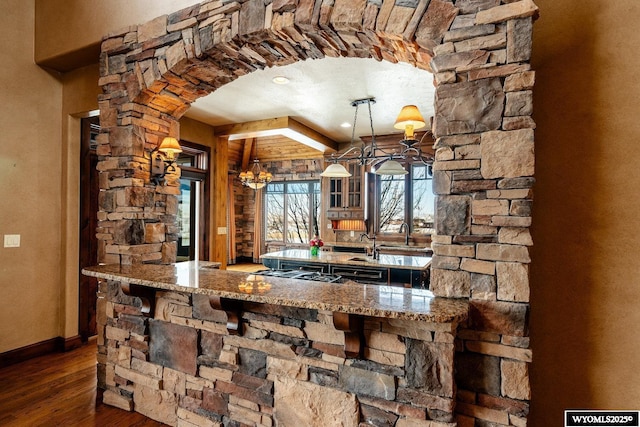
[[60, 390], [247, 267]]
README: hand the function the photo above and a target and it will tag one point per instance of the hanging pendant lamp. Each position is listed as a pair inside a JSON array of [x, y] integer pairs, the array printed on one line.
[[410, 119], [255, 177], [390, 167], [335, 170]]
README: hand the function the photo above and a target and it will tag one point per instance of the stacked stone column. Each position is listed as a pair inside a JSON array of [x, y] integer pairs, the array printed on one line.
[[483, 180], [136, 219]]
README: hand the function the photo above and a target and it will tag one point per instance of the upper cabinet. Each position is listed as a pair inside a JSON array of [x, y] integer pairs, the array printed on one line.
[[346, 195]]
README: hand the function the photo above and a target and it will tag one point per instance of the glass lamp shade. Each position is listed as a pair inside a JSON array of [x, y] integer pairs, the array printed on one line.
[[390, 167], [256, 185], [335, 170], [170, 146]]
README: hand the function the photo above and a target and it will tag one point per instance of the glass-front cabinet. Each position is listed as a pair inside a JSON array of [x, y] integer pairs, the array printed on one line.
[[346, 195]]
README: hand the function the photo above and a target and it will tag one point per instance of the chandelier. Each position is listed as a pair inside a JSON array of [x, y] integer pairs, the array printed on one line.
[[384, 162], [255, 177]]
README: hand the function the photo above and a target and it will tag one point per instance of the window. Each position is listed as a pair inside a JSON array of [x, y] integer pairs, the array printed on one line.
[[406, 199], [292, 210], [392, 203]]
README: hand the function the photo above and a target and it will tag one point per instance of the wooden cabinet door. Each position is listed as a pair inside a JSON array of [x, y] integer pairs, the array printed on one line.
[[346, 195], [355, 188]]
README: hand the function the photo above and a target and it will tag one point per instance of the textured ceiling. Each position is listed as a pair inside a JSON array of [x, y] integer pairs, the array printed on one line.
[[319, 95]]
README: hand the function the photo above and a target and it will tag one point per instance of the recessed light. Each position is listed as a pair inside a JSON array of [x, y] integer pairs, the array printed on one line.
[[345, 125], [280, 80]]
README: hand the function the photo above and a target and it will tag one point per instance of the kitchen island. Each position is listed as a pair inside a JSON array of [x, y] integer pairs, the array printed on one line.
[[387, 269], [188, 343]]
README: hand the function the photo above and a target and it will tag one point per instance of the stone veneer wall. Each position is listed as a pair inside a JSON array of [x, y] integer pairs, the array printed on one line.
[[479, 51], [181, 366]]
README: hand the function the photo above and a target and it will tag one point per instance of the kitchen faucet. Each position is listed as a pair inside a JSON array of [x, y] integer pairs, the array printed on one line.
[[374, 252], [406, 232]]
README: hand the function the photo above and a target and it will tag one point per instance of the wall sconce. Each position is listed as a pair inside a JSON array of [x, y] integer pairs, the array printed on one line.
[[163, 159]]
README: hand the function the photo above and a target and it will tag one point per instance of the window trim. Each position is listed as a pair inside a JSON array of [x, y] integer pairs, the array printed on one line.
[[408, 200], [201, 171], [315, 225]]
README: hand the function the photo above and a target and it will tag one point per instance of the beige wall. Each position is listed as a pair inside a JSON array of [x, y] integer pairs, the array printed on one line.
[[69, 31], [30, 171], [195, 131], [586, 260], [585, 288], [80, 99], [40, 117]]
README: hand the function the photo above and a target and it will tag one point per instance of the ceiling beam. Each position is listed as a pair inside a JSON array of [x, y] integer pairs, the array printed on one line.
[[246, 152], [285, 126]]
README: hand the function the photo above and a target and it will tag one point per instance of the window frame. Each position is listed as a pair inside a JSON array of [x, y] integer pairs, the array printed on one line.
[[408, 199], [198, 171], [314, 221]]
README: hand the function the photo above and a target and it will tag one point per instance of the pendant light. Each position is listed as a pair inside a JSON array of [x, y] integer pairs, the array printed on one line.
[[336, 170], [390, 167], [410, 119]]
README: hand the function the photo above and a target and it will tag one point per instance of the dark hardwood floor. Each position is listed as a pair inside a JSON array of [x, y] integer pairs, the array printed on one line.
[[60, 390]]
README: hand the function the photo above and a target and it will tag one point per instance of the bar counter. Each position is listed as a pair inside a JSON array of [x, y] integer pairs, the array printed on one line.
[[189, 344], [353, 298]]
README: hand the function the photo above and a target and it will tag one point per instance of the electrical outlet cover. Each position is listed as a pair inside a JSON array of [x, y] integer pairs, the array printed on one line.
[[11, 240]]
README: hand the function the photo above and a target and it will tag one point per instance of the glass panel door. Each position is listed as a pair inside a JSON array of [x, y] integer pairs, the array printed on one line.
[[188, 219], [355, 186]]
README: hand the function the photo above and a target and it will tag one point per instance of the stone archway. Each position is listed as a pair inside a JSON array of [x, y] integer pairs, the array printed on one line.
[[479, 52]]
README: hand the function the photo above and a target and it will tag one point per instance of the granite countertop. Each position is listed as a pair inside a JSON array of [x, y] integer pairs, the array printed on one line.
[[353, 298], [346, 258]]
